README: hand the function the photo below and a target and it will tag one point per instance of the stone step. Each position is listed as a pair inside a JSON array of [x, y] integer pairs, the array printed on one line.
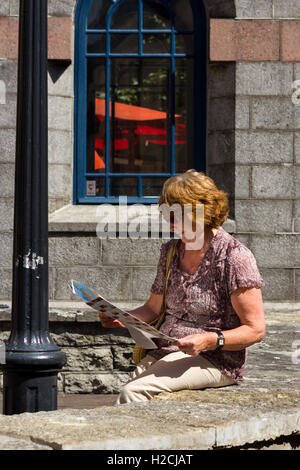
[[211, 419]]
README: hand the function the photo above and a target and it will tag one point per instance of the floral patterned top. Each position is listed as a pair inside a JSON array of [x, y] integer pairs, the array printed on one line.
[[200, 302]]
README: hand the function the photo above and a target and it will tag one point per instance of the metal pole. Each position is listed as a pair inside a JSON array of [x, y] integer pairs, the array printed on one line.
[[32, 358]]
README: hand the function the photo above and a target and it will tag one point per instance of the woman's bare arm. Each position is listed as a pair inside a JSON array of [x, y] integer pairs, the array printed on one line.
[[150, 310], [248, 304]]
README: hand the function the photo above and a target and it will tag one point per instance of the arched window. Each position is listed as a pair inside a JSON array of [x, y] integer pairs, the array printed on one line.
[[140, 96]]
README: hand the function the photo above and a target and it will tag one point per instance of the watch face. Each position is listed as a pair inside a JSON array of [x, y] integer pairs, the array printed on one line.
[[221, 342]]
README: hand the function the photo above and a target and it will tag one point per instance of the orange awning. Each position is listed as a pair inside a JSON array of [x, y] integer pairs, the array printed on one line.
[[99, 163], [130, 112]]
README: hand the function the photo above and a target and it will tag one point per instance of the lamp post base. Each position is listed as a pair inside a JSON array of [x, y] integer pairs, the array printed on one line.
[[29, 392], [30, 380]]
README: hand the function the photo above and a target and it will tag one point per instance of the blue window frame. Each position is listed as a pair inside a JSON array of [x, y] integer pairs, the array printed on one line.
[[140, 96]]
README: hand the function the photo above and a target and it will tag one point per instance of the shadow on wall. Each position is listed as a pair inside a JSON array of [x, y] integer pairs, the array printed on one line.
[[220, 8], [222, 119]]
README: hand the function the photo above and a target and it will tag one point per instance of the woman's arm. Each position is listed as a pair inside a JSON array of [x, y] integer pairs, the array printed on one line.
[[150, 310], [146, 313], [248, 304]]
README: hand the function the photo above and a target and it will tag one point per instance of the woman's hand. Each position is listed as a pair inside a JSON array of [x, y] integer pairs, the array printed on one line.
[[194, 344], [108, 322]]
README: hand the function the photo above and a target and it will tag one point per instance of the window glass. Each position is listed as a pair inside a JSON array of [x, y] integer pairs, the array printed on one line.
[[156, 43], [184, 44], [95, 187], [97, 14], [140, 122], [120, 43], [126, 15], [156, 15], [149, 128], [96, 116], [152, 186], [184, 109], [123, 187], [96, 43], [183, 14]]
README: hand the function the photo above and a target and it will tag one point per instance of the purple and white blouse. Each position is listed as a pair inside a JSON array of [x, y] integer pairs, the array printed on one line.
[[200, 302]]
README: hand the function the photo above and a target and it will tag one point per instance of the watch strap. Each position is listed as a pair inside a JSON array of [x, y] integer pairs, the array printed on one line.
[[221, 340]]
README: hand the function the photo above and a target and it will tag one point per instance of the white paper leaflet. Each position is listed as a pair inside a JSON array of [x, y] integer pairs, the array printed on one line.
[[140, 331]]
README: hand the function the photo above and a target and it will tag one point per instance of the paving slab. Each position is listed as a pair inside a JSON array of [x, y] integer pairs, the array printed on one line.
[[156, 425], [13, 443], [264, 407]]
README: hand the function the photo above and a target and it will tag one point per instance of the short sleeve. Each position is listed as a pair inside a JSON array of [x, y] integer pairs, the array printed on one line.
[[159, 281], [242, 270]]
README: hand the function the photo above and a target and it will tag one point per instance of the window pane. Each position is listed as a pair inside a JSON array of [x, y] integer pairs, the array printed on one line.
[[123, 187], [96, 116], [184, 108], [184, 43], [156, 15], [122, 43], [126, 15], [95, 187], [96, 43], [97, 14], [183, 14], [156, 43], [140, 119], [152, 186]]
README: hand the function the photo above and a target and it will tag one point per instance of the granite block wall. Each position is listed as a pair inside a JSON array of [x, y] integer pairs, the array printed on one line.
[[258, 160], [267, 155], [98, 360]]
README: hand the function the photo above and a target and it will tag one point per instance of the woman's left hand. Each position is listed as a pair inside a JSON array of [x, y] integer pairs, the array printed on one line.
[[193, 344]]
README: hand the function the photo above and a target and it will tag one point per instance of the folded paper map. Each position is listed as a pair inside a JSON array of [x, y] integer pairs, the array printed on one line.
[[140, 331]]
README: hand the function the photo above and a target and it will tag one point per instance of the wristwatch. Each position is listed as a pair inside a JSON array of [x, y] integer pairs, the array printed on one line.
[[221, 340]]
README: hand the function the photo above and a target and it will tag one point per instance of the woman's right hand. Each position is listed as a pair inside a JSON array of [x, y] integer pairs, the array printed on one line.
[[108, 322]]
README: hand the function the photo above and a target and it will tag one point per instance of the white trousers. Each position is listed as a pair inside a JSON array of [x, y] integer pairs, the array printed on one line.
[[176, 371]]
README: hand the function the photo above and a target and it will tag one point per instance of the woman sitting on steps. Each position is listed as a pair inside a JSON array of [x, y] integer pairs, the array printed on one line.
[[214, 305]]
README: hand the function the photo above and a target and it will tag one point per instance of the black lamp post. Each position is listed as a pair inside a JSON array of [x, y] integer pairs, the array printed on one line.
[[32, 358]]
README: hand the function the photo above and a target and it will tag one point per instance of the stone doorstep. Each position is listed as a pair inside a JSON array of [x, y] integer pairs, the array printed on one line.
[[211, 419]]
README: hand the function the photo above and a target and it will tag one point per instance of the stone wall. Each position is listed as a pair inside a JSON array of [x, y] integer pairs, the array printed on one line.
[[268, 157], [254, 155], [123, 269], [98, 360], [60, 103], [254, 133], [60, 153]]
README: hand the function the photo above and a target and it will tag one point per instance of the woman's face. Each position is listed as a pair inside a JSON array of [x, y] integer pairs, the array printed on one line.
[[181, 223], [187, 233]]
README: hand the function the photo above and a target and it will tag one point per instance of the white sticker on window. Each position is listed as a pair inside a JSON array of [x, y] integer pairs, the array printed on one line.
[[91, 188]]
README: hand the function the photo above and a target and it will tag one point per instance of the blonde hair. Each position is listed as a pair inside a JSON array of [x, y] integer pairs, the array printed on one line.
[[193, 188]]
